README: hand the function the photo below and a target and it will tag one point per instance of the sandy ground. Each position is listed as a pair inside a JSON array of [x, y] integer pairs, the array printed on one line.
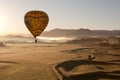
[[106, 65], [36, 61], [32, 61]]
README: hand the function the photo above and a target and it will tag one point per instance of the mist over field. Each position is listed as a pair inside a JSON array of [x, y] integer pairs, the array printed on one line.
[[60, 35]]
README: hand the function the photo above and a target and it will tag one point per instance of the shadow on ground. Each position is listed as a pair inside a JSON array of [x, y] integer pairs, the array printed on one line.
[[95, 76], [69, 65], [9, 62]]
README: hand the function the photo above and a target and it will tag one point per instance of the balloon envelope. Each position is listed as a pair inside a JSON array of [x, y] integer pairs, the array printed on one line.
[[36, 22]]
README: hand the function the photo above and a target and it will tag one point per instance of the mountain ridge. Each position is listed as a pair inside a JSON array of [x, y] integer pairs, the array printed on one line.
[[70, 33], [79, 32]]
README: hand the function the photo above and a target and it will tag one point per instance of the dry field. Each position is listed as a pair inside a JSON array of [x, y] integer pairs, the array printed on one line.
[[36, 62], [31, 61]]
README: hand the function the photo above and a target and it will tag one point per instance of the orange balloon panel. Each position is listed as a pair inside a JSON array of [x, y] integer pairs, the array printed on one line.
[[36, 22]]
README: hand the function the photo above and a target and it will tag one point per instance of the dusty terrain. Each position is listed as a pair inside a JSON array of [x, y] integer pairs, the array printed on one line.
[[105, 66], [31, 61], [36, 62]]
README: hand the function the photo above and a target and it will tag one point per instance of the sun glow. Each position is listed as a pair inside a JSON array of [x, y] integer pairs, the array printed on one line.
[[3, 23], [2, 20]]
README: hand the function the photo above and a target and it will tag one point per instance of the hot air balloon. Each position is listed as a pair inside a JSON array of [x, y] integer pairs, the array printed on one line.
[[36, 22]]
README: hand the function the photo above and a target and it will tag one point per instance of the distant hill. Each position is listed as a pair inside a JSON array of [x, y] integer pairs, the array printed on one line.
[[13, 36], [79, 33], [69, 33]]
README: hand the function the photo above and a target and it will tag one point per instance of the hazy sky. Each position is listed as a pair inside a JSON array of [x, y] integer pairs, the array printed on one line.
[[75, 14]]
